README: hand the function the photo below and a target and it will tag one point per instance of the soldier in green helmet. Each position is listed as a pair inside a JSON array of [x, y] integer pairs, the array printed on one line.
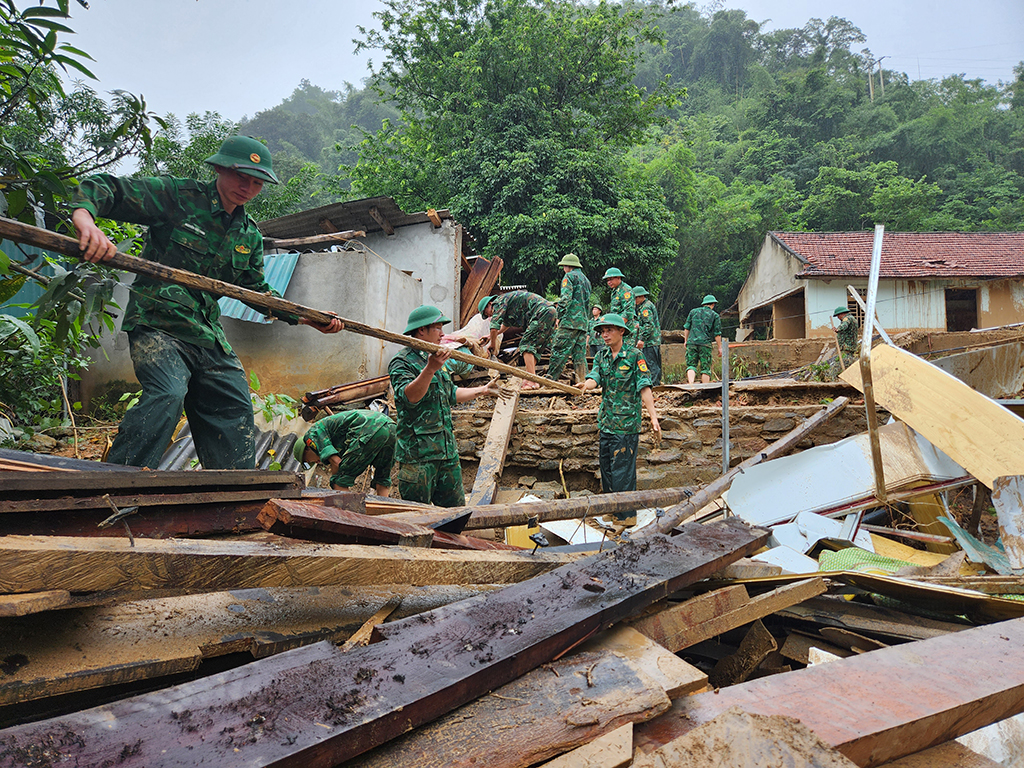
[[702, 334], [594, 340], [847, 333], [429, 469], [622, 303], [571, 335], [621, 372], [649, 333], [181, 355], [349, 442], [521, 309]]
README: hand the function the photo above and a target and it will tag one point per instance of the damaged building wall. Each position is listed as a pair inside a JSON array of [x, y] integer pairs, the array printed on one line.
[[1000, 302], [772, 275], [691, 448]]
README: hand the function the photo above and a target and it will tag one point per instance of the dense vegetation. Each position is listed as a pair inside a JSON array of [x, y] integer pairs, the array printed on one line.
[[648, 136]]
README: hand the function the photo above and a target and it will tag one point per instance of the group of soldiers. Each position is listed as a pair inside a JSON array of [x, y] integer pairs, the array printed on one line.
[[184, 362]]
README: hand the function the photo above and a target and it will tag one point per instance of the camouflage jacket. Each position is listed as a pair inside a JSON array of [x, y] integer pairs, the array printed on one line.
[[650, 325], [624, 304], [332, 435], [188, 229], [622, 378], [704, 325], [593, 337], [425, 430], [574, 300], [847, 333], [515, 308]]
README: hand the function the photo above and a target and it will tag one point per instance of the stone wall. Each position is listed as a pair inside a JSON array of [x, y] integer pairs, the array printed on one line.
[[691, 448]]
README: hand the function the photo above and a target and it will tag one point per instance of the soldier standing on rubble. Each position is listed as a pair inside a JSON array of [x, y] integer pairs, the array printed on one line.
[[178, 347], [425, 394], [594, 340], [571, 335], [349, 442], [521, 309], [703, 326], [621, 371], [847, 333], [649, 334], [622, 303]]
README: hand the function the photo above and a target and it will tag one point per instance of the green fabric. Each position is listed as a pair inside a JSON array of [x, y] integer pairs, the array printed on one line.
[[847, 333], [533, 313], [433, 482], [617, 458], [624, 304], [569, 344], [208, 384], [188, 229], [650, 324], [621, 378], [360, 438], [573, 301], [704, 325], [858, 560], [425, 430], [699, 358]]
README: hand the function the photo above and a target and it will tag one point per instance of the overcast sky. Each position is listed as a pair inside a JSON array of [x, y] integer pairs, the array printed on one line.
[[238, 57]]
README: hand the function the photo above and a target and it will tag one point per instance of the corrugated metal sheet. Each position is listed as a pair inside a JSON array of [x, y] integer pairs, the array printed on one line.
[[277, 269], [270, 448]]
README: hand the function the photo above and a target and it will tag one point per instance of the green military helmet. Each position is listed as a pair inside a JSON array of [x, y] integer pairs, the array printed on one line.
[[710, 299], [611, 319], [613, 272], [299, 449], [424, 316], [841, 311], [570, 260], [640, 291], [482, 304], [245, 155]]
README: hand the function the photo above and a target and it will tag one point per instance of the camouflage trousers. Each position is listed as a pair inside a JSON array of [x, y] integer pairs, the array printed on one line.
[[433, 482], [569, 344], [208, 384], [652, 354], [699, 358], [376, 448], [537, 334]]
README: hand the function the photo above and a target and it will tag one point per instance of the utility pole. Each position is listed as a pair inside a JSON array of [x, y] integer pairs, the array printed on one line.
[[881, 77]]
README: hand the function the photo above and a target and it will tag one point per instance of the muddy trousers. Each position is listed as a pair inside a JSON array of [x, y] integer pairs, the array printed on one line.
[[433, 482], [569, 344], [652, 354], [617, 456], [209, 385]]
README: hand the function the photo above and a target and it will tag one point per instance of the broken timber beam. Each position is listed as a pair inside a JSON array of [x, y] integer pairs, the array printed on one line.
[[51, 241], [32, 564], [686, 509], [318, 706], [277, 243], [882, 705], [317, 522], [492, 457]]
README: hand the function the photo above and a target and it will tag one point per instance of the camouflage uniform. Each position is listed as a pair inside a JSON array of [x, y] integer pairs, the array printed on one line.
[[594, 339], [359, 438], [619, 418], [533, 313], [571, 336], [704, 325], [181, 355], [430, 471], [624, 304], [847, 333], [650, 335]]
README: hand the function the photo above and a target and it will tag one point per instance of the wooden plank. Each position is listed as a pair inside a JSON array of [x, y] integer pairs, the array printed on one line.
[[612, 750], [676, 629], [541, 714], [882, 705], [318, 522], [664, 621], [271, 243], [757, 643], [444, 540], [798, 645], [32, 564], [362, 635], [973, 430], [668, 671], [492, 456], [317, 706], [481, 286], [33, 602], [870, 619], [950, 754], [86, 649], [92, 483], [926, 511]]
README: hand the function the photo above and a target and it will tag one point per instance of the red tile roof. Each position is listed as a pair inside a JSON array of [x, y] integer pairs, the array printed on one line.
[[907, 254]]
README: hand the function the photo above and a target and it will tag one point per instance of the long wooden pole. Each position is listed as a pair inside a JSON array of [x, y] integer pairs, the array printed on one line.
[[51, 241], [865, 365]]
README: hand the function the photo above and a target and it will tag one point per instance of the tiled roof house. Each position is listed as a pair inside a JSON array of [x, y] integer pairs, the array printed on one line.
[[928, 281]]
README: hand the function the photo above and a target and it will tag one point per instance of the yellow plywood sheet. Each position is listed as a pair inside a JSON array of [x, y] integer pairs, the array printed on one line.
[[973, 430]]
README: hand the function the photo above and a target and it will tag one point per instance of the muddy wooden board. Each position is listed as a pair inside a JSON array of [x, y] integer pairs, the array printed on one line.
[[318, 522], [31, 564], [873, 620], [882, 705], [317, 706], [612, 750], [492, 456], [82, 649]]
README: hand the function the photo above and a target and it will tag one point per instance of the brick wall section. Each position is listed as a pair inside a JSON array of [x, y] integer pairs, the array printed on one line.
[[691, 449]]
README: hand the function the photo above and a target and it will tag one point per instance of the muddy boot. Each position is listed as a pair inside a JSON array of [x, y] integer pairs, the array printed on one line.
[[581, 373]]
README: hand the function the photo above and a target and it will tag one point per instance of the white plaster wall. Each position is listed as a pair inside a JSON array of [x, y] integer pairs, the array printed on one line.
[[900, 304], [771, 276]]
